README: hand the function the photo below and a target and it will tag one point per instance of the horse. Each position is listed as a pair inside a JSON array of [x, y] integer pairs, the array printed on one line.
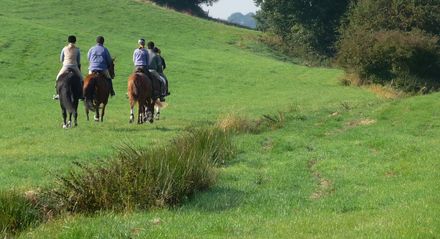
[[69, 89], [96, 91], [140, 91]]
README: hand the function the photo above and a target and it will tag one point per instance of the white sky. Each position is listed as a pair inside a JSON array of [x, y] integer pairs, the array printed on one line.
[[224, 8]]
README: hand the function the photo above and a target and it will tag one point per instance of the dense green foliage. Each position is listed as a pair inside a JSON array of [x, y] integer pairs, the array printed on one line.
[[147, 177], [17, 212], [393, 42], [191, 6], [388, 42], [306, 28]]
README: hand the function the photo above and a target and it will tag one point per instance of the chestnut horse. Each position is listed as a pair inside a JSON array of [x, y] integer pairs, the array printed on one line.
[[96, 91], [69, 89], [140, 91]]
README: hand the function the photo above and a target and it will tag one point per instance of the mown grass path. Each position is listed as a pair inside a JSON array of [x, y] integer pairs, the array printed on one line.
[[346, 164]]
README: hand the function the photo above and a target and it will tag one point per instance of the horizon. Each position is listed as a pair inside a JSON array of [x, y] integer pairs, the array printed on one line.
[[225, 8]]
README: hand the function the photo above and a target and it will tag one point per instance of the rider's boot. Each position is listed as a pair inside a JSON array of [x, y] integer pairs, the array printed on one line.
[[112, 91]]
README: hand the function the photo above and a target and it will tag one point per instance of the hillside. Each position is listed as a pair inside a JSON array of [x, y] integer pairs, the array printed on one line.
[[347, 163]]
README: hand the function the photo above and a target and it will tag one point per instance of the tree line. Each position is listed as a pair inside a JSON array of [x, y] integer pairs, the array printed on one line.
[[392, 42], [191, 6]]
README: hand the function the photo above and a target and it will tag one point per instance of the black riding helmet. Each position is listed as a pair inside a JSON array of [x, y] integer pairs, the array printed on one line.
[[71, 39], [100, 39], [150, 45]]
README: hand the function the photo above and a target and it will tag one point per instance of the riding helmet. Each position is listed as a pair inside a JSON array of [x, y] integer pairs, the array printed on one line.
[[71, 39], [100, 40]]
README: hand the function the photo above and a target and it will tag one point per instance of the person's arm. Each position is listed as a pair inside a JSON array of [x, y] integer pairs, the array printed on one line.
[[163, 63], [89, 54], [62, 56], [78, 59], [147, 57], [134, 57], [108, 58]]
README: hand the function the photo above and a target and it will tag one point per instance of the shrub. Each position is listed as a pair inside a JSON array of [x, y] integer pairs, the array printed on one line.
[[392, 42], [17, 212], [147, 177], [407, 60]]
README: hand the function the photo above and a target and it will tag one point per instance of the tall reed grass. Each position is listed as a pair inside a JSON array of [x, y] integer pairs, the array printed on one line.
[[141, 178], [16, 213]]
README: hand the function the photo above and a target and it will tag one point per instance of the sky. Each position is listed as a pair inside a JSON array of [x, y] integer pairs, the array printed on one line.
[[224, 8]]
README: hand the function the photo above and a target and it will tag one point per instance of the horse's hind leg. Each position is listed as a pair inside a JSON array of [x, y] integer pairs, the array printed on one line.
[[64, 118], [102, 113], [150, 112], [140, 112], [75, 115], [156, 112], [97, 114], [131, 114], [69, 124]]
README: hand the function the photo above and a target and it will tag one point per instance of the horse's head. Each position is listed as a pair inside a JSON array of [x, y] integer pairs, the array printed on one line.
[[111, 68]]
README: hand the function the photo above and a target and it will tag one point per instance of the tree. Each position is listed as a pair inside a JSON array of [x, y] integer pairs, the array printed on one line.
[[192, 6], [311, 25], [393, 42]]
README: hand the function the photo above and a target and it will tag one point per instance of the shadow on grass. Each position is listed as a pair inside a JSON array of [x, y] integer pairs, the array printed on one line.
[[219, 199]]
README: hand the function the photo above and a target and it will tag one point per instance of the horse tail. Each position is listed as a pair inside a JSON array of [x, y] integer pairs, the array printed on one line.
[[66, 94], [89, 91], [132, 86]]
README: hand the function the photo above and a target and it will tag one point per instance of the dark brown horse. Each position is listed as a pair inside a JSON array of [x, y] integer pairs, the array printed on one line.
[[69, 89], [96, 91], [140, 91]]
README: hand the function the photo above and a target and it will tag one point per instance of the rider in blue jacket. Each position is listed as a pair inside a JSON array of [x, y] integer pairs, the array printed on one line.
[[100, 60]]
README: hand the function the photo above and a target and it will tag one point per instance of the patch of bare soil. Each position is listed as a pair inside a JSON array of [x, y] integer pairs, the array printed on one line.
[[325, 186]]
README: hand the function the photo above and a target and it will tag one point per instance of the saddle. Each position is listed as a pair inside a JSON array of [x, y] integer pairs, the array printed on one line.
[[139, 70]]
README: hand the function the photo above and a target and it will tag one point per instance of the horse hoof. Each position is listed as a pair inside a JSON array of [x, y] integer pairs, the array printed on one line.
[[65, 126], [96, 119]]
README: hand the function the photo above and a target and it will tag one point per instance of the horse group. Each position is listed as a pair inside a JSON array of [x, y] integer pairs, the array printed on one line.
[[96, 91]]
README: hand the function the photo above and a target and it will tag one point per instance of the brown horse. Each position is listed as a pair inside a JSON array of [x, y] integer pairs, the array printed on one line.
[[96, 91], [140, 91]]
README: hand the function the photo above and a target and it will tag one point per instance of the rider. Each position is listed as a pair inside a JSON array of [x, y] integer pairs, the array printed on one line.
[[154, 66], [71, 58], [141, 56], [161, 68], [100, 60]]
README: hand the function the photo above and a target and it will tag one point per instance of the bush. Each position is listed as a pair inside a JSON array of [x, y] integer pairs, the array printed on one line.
[[147, 177], [407, 60], [392, 42], [17, 212]]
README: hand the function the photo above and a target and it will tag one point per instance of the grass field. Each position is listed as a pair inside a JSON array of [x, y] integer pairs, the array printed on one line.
[[346, 164]]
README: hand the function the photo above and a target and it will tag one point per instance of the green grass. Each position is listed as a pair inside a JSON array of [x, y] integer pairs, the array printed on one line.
[[368, 171]]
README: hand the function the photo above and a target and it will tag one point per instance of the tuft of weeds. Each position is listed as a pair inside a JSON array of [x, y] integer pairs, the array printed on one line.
[[17, 212], [141, 178], [273, 122], [238, 124]]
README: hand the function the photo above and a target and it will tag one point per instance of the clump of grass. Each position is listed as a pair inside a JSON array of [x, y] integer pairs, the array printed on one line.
[[273, 122], [17, 212], [147, 177], [238, 124]]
